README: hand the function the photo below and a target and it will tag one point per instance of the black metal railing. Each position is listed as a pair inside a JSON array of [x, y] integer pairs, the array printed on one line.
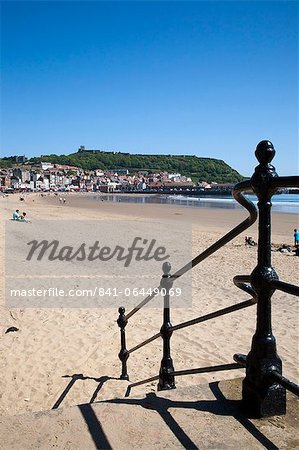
[[264, 387]]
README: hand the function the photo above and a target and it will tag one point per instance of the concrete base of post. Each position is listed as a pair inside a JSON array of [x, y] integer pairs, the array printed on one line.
[[263, 402], [166, 379]]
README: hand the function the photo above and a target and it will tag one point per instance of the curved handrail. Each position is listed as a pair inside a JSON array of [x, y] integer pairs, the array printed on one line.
[[263, 365], [243, 282], [241, 187]]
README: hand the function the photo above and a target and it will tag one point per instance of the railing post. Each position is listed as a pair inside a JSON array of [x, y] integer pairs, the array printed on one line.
[[261, 396], [166, 380], [123, 354]]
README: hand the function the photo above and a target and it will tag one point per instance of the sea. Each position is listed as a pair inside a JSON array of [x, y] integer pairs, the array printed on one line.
[[284, 203]]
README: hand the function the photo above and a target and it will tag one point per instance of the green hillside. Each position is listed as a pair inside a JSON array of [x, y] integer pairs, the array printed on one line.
[[207, 169]]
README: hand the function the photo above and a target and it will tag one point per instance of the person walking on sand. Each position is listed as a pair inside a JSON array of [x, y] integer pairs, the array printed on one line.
[[296, 237]]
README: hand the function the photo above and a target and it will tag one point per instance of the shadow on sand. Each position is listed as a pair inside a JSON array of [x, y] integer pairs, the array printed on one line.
[[220, 406], [79, 376]]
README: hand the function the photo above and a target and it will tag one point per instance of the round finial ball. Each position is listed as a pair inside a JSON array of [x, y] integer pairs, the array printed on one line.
[[264, 152], [121, 310], [166, 268]]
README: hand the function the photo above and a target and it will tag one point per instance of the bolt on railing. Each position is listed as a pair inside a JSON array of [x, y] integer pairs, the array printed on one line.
[[264, 386]]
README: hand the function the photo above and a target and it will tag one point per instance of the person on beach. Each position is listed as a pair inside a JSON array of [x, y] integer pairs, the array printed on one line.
[[296, 237], [249, 241], [16, 215], [23, 217]]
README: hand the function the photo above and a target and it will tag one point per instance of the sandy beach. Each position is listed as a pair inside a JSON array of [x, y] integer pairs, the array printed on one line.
[[67, 356]]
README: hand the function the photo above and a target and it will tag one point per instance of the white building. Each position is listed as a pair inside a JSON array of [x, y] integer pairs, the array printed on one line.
[[46, 165]]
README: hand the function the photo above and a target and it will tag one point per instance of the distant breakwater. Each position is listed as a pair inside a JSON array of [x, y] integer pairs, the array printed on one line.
[[188, 192]]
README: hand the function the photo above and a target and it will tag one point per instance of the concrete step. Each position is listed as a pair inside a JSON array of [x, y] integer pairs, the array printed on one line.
[[205, 417]]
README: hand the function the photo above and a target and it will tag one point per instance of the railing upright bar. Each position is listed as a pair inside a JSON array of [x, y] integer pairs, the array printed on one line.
[[166, 379], [123, 354], [261, 395]]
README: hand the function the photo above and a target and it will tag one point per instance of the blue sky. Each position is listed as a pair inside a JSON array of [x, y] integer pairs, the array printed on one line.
[[204, 78]]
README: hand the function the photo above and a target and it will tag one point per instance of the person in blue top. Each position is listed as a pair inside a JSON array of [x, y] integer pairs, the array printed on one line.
[[296, 237], [16, 215]]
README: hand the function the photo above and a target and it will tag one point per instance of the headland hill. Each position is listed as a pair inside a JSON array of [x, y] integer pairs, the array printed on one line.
[[111, 171]]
